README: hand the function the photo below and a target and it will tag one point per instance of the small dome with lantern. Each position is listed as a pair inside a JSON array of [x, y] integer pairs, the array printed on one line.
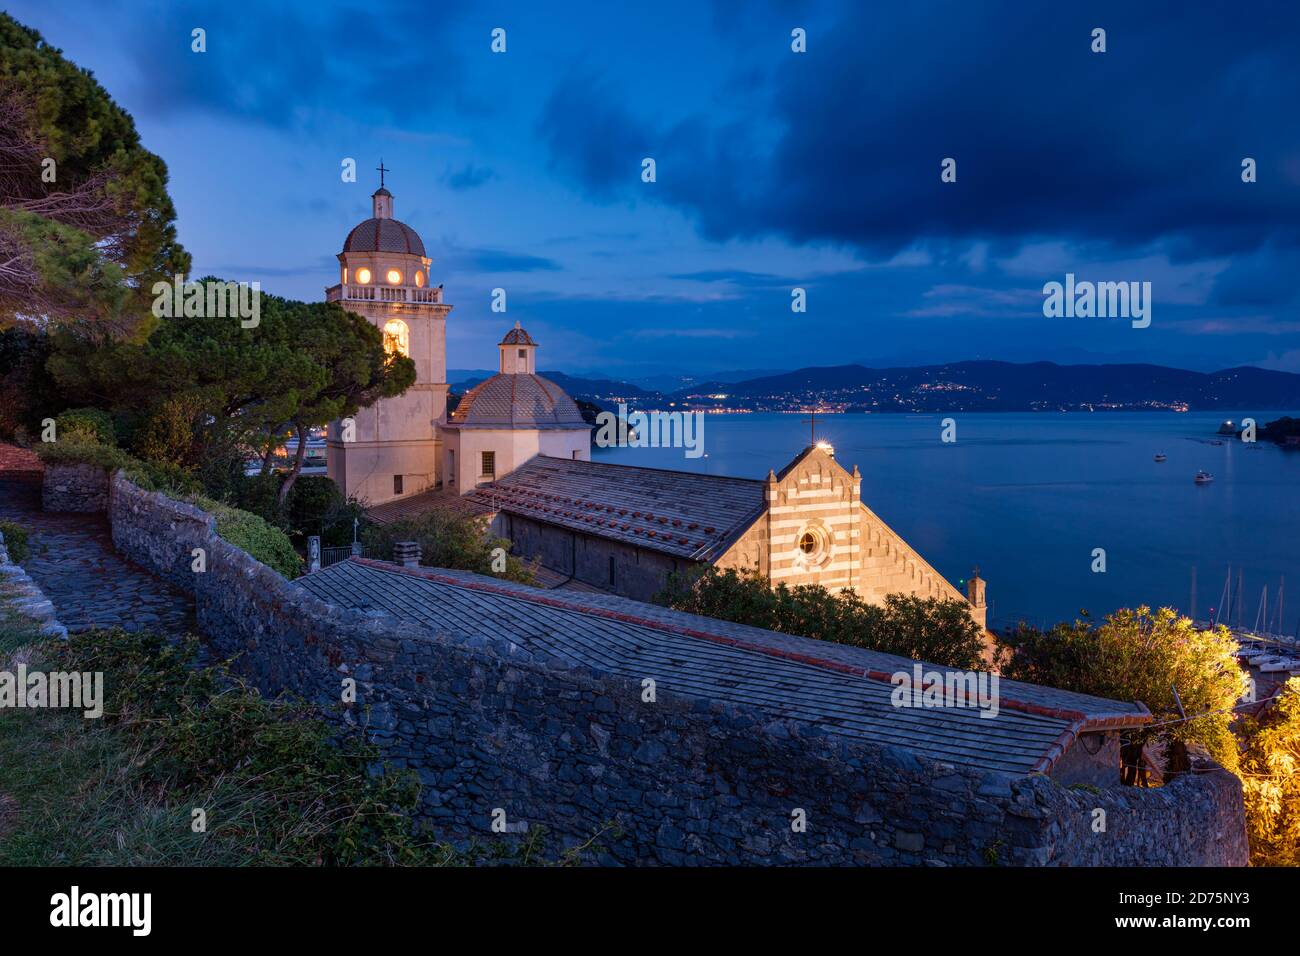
[[517, 397]]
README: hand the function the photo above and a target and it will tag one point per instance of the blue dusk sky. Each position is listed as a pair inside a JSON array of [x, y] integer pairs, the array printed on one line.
[[774, 169]]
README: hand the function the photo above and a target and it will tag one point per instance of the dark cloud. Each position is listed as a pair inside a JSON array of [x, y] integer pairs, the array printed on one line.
[[1139, 145], [285, 66], [468, 176], [1270, 277], [457, 259]]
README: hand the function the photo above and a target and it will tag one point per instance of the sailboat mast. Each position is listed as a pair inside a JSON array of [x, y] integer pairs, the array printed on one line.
[[1237, 600], [1223, 598]]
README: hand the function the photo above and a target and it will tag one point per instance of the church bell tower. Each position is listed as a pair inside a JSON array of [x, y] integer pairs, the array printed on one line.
[[393, 448]]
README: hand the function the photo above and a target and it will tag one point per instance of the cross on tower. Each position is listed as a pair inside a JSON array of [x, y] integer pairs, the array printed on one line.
[[812, 427], [382, 170]]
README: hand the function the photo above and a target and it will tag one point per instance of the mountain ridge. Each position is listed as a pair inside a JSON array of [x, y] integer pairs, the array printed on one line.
[[971, 385]]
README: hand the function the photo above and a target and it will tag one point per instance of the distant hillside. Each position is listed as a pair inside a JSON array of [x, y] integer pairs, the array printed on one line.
[[1004, 386], [958, 386], [666, 384], [458, 376]]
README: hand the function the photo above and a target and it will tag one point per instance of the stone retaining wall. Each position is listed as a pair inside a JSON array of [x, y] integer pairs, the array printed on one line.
[[74, 487], [488, 727], [24, 596]]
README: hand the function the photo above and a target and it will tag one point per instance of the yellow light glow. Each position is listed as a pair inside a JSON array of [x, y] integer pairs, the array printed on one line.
[[363, 276], [394, 277], [419, 279], [397, 337], [345, 275]]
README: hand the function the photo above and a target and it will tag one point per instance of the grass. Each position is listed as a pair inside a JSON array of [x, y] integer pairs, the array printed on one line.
[[16, 537], [16, 630], [275, 785]]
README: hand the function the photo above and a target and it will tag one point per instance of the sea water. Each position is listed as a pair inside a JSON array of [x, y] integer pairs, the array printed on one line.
[[1030, 498]]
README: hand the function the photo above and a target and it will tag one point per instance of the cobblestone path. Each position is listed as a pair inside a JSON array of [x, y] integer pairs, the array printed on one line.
[[73, 561]]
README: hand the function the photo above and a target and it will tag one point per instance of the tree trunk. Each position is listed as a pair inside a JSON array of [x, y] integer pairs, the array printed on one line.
[[297, 463], [1179, 761], [1133, 769]]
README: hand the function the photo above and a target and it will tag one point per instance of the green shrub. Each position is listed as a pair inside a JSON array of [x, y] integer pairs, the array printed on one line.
[[169, 434], [449, 540], [927, 629], [15, 536], [151, 476], [312, 501], [259, 495], [85, 425], [1140, 655], [75, 452], [1270, 766], [171, 480], [252, 534]]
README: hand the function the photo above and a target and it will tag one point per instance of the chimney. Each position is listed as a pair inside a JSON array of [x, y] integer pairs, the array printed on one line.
[[407, 554]]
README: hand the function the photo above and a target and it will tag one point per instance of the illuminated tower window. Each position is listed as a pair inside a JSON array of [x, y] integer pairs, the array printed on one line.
[[419, 279], [363, 276], [394, 277], [397, 337]]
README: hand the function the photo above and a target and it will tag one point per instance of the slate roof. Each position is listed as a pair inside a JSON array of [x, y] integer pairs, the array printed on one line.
[[441, 499], [384, 235], [843, 690], [680, 513], [516, 401]]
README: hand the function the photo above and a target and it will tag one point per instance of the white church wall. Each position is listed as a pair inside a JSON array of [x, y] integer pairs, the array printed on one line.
[[567, 443], [511, 449], [367, 469]]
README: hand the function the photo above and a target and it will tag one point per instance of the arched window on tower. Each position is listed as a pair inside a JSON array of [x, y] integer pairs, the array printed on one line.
[[397, 338]]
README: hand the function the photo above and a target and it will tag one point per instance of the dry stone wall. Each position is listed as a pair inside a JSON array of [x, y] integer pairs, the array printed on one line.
[[489, 727], [75, 487]]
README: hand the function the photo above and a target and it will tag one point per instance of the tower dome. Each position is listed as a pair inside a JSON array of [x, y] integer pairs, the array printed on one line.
[[381, 232], [383, 235]]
